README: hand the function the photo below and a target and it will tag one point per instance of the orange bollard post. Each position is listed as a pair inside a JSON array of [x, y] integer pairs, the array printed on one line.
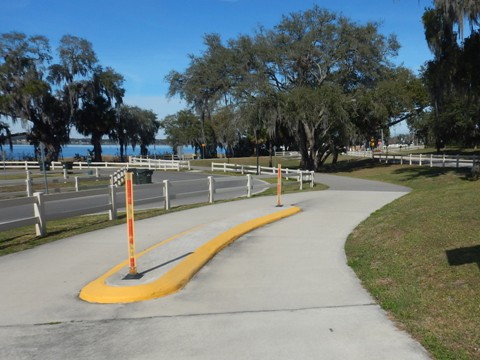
[[132, 261], [279, 185]]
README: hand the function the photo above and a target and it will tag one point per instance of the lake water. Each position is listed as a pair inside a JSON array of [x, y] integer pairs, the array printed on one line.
[[69, 151]]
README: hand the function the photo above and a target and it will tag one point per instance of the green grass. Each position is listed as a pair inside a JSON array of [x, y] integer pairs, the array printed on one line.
[[420, 256]]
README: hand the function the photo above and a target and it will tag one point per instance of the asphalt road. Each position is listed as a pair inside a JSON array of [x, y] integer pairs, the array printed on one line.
[[186, 188]]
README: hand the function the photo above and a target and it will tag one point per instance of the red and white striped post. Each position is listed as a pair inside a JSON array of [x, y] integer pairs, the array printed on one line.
[[279, 185], [130, 226]]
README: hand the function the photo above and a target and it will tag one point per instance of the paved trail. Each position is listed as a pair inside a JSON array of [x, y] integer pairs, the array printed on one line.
[[281, 292]]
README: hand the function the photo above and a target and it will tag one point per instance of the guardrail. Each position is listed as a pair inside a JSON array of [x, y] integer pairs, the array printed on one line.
[[167, 191], [431, 160]]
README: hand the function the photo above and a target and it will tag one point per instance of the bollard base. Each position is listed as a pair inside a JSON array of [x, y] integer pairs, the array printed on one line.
[[133, 277], [278, 205]]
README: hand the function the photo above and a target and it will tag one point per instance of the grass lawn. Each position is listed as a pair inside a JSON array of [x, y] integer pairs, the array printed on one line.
[[420, 256]]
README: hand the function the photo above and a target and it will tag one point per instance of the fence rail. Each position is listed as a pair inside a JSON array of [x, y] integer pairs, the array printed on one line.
[[262, 170], [160, 163], [134, 161], [456, 161], [167, 191]]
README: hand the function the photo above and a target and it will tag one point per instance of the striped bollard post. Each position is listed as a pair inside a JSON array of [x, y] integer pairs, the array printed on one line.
[[132, 261], [279, 185]]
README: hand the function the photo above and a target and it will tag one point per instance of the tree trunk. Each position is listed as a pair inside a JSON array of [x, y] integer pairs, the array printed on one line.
[[122, 154], [97, 147]]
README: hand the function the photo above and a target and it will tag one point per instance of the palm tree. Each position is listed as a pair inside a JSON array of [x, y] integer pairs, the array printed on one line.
[[101, 102]]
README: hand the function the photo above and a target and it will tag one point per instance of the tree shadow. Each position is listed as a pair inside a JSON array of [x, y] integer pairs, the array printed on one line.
[[416, 172], [351, 165], [463, 256]]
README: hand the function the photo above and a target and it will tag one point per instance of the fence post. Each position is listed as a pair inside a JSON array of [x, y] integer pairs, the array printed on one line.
[[300, 178], [312, 179], [210, 189], [29, 184], [112, 214], [420, 159], [431, 160], [77, 186], [443, 160], [39, 211], [188, 162], [166, 194], [410, 159], [29, 187], [249, 185], [401, 159], [458, 161], [224, 167], [243, 170], [212, 166], [96, 173]]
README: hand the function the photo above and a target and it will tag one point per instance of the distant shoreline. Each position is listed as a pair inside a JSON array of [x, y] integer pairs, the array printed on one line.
[[23, 151]]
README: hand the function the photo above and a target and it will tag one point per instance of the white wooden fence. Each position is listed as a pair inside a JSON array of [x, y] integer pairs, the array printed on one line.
[[431, 160], [134, 161], [39, 199], [109, 194], [159, 164], [301, 176], [67, 183]]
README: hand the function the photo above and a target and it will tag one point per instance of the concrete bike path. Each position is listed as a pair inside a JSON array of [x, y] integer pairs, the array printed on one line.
[[283, 291]]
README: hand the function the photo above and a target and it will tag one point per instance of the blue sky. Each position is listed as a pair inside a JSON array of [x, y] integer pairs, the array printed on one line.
[[144, 39]]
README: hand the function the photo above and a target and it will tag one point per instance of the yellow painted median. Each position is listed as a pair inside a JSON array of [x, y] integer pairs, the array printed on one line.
[[98, 291]]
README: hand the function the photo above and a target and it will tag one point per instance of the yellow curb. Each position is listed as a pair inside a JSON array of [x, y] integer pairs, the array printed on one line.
[[176, 278]]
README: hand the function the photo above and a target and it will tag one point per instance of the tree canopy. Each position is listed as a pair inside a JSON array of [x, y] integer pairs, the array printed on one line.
[[76, 91], [452, 76], [317, 77]]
